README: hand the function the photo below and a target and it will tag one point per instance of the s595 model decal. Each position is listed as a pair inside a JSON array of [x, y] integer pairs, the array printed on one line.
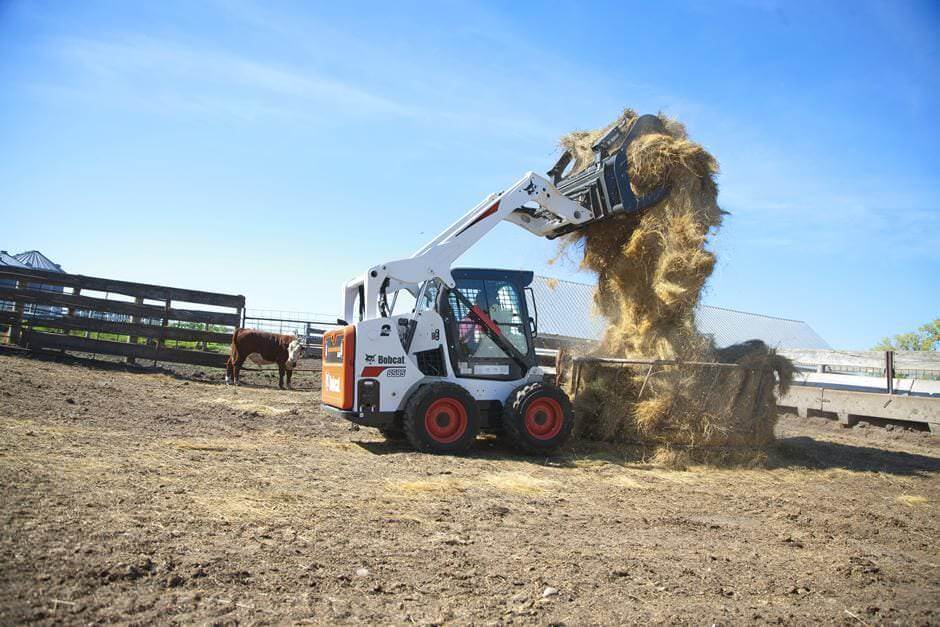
[[375, 371]]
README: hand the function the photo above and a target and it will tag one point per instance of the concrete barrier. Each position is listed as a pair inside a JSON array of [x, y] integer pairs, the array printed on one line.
[[850, 405]]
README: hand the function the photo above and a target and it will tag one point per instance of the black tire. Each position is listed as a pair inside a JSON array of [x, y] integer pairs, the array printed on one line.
[[392, 434], [537, 418], [454, 424]]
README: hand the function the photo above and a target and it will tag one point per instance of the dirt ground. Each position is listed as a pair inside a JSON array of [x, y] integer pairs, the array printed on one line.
[[158, 497]]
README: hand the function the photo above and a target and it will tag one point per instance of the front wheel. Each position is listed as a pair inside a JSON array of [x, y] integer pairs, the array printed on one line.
[[537, 417], [441, 418]]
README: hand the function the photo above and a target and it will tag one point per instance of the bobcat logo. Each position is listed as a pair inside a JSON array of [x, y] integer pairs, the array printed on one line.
[[370, 359]]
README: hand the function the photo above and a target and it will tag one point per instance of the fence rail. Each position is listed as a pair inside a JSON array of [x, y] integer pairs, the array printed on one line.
[[920, 361], [43, 315], [133, 329], [88, 303], [99, 284]]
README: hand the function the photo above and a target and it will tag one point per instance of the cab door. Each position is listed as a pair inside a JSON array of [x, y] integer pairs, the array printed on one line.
[[473, 354]]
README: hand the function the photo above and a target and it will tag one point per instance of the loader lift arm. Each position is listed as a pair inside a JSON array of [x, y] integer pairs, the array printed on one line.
[[532, 202], [546, 208]]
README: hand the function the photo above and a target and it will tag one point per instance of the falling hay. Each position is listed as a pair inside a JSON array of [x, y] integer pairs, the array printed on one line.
[[650, 275]]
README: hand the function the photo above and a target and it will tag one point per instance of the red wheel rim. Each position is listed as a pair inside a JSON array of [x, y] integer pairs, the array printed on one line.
[[445, 420], [544, 418]]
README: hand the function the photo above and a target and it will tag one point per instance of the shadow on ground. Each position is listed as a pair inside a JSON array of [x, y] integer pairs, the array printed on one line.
[[259, 378], [792, 452], [806, 452], [492, 448]]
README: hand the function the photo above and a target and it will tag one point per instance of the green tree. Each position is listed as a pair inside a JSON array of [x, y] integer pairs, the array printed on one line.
[[925, 338]]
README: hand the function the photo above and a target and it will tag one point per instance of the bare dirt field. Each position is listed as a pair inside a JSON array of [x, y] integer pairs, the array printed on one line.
[[167, 497]]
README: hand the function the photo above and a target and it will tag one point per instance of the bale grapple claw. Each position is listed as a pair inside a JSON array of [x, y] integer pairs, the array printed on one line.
[[604, 187]]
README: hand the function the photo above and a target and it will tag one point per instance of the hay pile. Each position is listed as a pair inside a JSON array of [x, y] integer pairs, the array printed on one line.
[[650, 274]]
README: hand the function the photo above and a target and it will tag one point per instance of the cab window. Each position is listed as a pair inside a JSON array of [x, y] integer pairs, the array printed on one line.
[[428, 300], [476, 353]]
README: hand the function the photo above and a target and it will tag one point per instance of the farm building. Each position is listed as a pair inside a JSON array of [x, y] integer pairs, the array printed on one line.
[[6, 259], [565, 312], [37, 260]]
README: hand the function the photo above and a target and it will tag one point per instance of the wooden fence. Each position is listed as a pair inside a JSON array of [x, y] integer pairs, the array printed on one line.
[[45, 310]]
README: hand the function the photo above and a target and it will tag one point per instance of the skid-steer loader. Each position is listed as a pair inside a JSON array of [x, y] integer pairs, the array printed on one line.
[[463, 360]]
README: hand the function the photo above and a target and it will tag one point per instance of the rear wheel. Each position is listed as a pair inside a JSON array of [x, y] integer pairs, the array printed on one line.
[[441, 418], [537, 417]]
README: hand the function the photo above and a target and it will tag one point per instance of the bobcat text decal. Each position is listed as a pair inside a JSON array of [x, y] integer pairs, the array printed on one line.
[[387, 361]]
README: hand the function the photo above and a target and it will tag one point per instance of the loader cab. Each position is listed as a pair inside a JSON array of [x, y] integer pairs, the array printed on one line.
[[501, 294]]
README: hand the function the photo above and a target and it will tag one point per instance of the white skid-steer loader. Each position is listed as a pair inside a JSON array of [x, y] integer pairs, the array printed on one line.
[[463, 359]]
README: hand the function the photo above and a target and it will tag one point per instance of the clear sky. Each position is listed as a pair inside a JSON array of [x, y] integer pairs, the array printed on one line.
[[275, 149]]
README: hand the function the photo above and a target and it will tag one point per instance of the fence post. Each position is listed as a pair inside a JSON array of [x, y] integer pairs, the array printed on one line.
[[132, 339], [17, 327], [889, 371], [77, 291], [163, 326]]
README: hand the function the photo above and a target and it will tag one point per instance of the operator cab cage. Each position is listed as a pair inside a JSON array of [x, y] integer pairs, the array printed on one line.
[[473, 350], [488, 330]]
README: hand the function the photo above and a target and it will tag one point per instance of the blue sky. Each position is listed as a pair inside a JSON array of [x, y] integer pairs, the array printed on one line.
[[277, 149]]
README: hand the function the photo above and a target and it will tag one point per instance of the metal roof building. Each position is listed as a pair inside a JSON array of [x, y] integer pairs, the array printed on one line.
[[6, 259], [31, 259], [566, 312], [35, 259]]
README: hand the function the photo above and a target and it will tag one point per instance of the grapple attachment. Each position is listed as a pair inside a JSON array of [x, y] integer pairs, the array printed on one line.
[[604, 186]]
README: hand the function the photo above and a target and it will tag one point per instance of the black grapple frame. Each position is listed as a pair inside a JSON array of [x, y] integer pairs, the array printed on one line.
[[604, 187]]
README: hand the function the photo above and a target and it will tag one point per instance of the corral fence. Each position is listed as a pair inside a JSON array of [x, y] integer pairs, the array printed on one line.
[[891, 366], [902, 386], [41, 309]]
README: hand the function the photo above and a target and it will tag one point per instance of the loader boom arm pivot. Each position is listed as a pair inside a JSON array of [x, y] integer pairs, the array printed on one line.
[[533, 202]]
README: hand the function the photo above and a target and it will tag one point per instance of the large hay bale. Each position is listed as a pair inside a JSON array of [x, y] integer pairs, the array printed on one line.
[[651, 272]]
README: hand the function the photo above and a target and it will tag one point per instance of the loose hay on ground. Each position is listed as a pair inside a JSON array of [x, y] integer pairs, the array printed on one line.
[[90, 499], [519, 482], [506, 481], [249, 405]]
